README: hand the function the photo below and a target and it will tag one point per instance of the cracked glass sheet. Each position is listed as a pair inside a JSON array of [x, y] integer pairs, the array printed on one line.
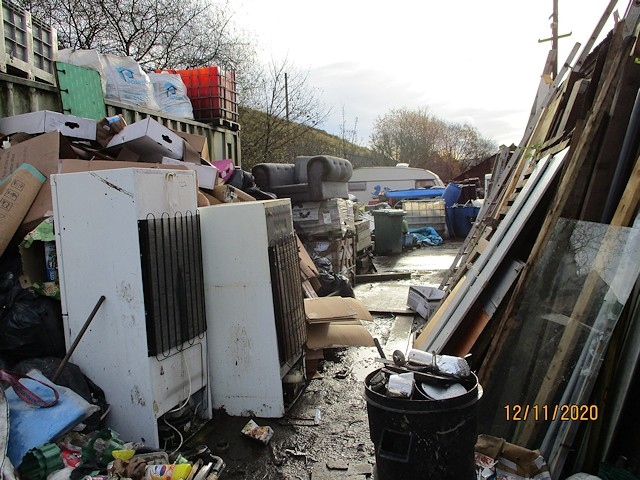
[[557, 339]]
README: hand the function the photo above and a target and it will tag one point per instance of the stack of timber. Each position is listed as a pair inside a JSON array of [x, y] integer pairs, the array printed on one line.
[[544, 291]]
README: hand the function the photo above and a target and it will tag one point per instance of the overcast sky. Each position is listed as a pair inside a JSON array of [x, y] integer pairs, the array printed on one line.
[[466, 61]]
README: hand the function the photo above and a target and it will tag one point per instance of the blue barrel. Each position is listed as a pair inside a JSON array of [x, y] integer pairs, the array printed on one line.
[[463, 218], [451, 194]]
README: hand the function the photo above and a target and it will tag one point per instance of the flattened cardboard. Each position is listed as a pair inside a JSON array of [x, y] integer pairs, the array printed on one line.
[[43, 153], [325, 335], [17, 193], [334, 309], [307, 267], [150, 139], [207, 175], [46, 121]]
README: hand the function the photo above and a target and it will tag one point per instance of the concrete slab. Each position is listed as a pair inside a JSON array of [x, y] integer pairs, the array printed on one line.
[[383, 297]]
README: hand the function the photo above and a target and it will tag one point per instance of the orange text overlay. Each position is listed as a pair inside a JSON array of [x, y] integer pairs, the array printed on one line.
[[563, 413]]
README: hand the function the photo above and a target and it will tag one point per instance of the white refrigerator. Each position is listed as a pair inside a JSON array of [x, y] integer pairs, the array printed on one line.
[[133, 236], [256, 325]]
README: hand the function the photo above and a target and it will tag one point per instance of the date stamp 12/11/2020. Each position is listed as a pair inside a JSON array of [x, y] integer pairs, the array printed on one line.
[[564, 413]]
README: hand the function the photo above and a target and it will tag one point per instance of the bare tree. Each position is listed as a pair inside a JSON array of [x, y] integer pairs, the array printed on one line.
[[281, 108], [156, 33], [407, 136], [463, 144], [423, 140]]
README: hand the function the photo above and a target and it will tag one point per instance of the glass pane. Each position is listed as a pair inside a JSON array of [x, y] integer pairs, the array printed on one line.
[[555, 342]]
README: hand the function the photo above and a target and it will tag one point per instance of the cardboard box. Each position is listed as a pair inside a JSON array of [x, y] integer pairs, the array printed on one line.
[[149, 139], [512, 461], [335, 310], [198, 142], [108, 127], [17, 193], [329, 217], [326, 335], [46, 121], [229, 194], [225, 168], [44, 153], [207, 175], [212, 200], [424, 300]]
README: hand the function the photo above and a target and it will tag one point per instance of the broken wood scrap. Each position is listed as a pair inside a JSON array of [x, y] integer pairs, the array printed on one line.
[[577, 156]]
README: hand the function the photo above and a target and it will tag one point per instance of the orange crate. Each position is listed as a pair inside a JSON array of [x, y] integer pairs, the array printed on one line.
[[212, 92]]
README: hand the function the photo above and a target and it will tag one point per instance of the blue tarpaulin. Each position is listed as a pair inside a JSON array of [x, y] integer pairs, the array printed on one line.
[[415, 193], [426, 236]]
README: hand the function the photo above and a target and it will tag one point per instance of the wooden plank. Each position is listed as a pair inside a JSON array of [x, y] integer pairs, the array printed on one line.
[[607, 159], [478, 278], [465, 337], [579, 150], [628, 206], [622, 217]]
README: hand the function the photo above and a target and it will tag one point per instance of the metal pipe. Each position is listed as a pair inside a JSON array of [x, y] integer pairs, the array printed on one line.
[[65, 360]]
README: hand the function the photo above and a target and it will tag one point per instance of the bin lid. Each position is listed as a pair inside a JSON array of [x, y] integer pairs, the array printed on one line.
[[389, 211]]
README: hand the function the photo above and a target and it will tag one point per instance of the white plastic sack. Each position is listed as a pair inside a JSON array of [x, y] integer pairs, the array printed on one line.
[[84, 58], [127, 82], [171, 94]]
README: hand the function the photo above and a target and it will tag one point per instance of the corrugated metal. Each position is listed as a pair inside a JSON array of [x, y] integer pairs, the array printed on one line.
[[19, 95], [223, 140]]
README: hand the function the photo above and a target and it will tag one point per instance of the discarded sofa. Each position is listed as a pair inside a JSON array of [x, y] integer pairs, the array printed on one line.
[[308, 179]]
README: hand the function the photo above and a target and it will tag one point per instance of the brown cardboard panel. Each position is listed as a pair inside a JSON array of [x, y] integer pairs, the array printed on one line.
[[212, 200], [324, 335], [229, 194], [73, 166], [307, 267], [17, 193], [328, 309], [43, 152], [108, 127], [197, 142]]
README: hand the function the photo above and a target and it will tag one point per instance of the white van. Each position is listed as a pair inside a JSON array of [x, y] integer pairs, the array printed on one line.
[[368, 182]]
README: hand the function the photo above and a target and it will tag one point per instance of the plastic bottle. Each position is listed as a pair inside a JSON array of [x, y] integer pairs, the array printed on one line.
[[174, 471]]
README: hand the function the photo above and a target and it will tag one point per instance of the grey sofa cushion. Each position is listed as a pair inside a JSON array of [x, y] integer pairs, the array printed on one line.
[[309, 178]]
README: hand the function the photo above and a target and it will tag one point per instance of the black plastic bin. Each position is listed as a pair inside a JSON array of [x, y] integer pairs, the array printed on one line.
[[424, 439]]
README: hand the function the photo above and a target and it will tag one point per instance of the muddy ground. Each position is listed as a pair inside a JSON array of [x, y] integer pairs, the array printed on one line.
[[338, 447]]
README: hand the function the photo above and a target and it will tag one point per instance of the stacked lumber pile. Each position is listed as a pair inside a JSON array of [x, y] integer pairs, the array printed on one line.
[[544, 291]]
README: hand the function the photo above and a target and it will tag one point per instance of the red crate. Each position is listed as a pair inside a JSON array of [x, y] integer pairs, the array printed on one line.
[[212, 92]]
